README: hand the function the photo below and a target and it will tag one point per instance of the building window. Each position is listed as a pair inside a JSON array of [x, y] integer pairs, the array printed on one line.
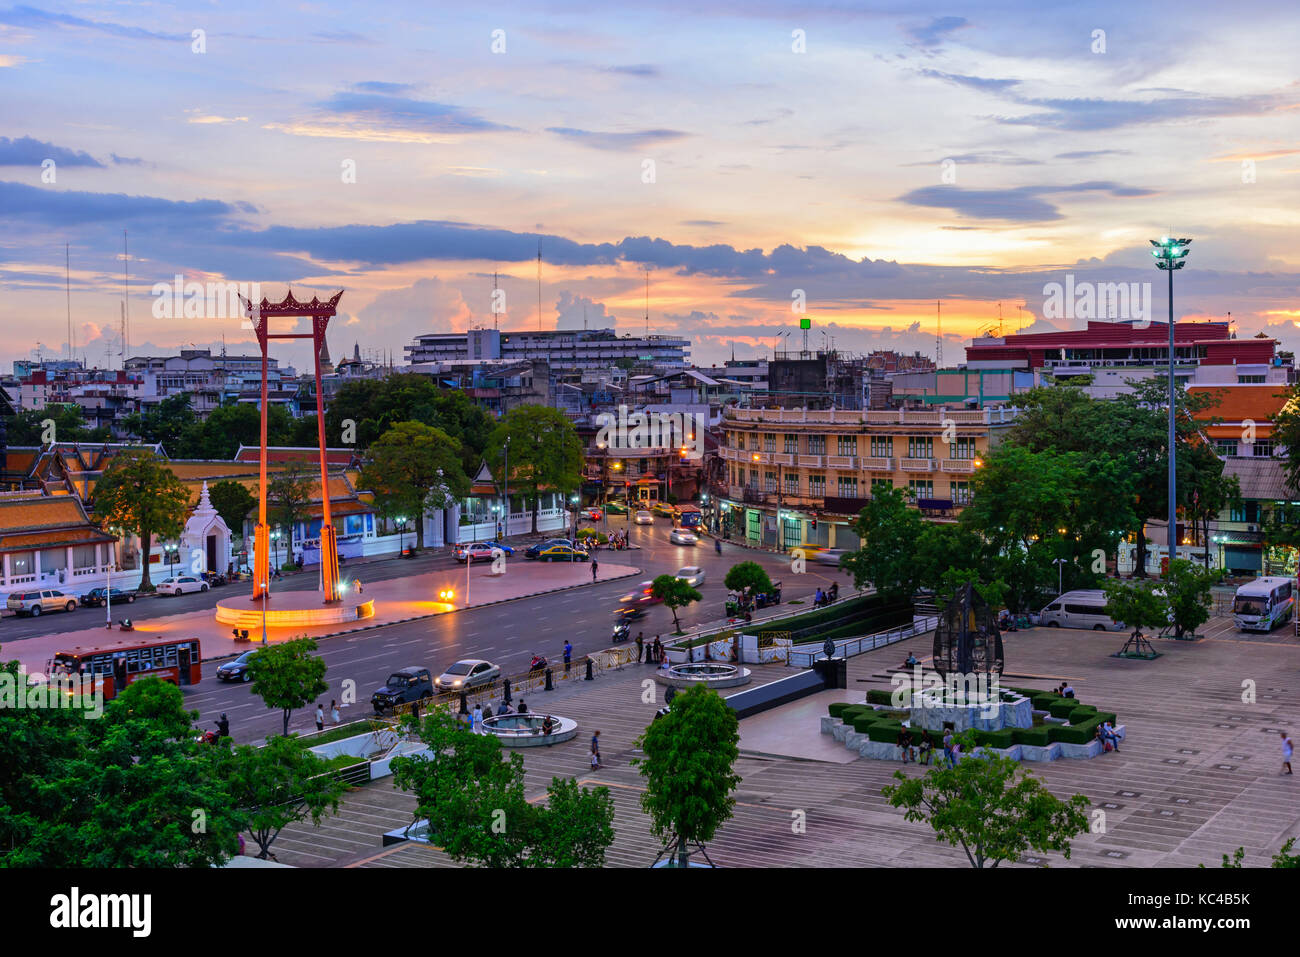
[[1262, 449], [847, 445], [881, 483], [961, 493], [848, 486], [919, 447], [740, 441], [1250, 380], [791, 444], [920, 488], [791, 483], [769, 443], [882, 446], [816, 445], [1226, 447], [962, 448], [817, 486], [769, 481]]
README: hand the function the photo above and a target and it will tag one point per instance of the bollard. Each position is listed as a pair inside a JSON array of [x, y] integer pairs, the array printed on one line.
[[590, 676], [505, 691], [464, 703], [549, 685]]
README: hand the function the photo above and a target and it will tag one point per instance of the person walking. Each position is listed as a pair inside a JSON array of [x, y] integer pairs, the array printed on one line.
[[476, 718], [594, 565], [334, 711], [595, 751], [568, 655], [1287, 750], [640, 645], [320, 717], [717, 545]]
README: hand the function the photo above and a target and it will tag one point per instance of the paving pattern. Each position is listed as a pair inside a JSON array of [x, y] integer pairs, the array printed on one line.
[[1197, 777]]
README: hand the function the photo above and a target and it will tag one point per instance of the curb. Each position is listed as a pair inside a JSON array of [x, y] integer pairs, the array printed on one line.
[[436, 614]]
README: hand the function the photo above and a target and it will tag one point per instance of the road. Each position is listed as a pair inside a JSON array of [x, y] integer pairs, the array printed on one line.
[[507, 634]]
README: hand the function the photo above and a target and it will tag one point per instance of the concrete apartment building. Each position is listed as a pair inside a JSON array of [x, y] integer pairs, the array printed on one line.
[[564, 350]]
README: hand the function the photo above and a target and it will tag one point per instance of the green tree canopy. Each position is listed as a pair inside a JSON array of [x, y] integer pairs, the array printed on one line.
[[166, 423], [28, 426], [989, 808], [138, 493], [889, 530], [674, 593], [1136, 604], [545, 452], [690, 754], [410, 466], [288, 496], [233, 502], [1187, 592], [288, 676], [749, 577]]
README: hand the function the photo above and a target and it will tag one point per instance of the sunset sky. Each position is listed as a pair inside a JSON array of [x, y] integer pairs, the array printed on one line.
[[876, 156]]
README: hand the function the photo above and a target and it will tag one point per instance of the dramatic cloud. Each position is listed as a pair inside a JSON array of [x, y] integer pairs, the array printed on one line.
[[406, 113], [26, 151], [1022, 205]]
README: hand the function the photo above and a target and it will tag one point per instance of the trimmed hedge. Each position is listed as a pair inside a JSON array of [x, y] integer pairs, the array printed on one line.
[[995, 739], [1068, 734], [1034, 736], [837, 708], [1062, 708], [879, 696], [1043, 700], [863, 722], [886, 731], [1082, 713]]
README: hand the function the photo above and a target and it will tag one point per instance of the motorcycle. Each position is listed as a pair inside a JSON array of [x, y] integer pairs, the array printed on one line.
[[622, 631], [537, 664]]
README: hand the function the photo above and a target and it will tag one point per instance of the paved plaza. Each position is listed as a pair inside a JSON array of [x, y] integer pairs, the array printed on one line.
[[1197, 776]]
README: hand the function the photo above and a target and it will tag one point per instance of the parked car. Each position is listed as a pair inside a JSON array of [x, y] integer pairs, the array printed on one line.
[[236, 670], [616, 508], [563, 552], [35, 603], [682, 536], [592, 513], [403, 687], [467, 673], [534, 550], [474, 552], [644, 518], [180, 584], [96, 596], [508, 549], [692, 574]]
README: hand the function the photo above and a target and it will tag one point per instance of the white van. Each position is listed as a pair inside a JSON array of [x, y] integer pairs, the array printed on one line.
[[1263, 604], [1080, 609]]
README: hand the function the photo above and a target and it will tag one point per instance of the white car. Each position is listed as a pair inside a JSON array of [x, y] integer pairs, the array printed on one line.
[[681, 536], [468, 673], [644, 518], [180, 584], [475, 552], [692, 574]]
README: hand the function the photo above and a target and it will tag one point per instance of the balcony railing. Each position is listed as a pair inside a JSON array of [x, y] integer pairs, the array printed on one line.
[[919, 465], [966, 466], [878, 463], [812, 461], [841, 461]]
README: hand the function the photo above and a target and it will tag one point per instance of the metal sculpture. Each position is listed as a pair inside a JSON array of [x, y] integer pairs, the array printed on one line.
[[966, 640]]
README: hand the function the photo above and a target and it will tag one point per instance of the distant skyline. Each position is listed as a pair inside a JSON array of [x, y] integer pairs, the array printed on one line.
[[877, 158]]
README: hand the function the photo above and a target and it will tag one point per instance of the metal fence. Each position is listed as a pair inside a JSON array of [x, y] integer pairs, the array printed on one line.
[[856, 646]]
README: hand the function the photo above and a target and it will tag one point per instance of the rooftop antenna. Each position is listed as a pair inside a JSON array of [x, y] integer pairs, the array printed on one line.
[[495, 314], [999, 320], [647, 302], [67, 285], [938, 334]]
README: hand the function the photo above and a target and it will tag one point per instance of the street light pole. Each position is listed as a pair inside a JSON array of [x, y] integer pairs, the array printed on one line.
[[505, 479], [1171, 255]]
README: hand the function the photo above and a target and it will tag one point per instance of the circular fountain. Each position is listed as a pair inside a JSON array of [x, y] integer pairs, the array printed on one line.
[[708, 673], [526, 730]]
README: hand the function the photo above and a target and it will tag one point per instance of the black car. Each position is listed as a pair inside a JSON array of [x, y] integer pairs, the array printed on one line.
[[403, 687], [236, 670], [95, 597]]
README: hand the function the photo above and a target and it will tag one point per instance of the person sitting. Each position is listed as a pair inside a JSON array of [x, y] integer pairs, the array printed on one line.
[[905, 743], [835, 591], [547, 725], [926, 748], [1108, 735], [911, 661], [503, 708], [1067, 691], [523, 708]]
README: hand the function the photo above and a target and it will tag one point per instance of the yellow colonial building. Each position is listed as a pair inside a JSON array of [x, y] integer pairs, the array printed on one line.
[[818, 468]]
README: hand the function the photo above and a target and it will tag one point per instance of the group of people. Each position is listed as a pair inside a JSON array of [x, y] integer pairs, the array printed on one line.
[[618, 540], [1108, 736], [653, 653], [1066, 690], [334, 714], [921, 751], [826, 597]]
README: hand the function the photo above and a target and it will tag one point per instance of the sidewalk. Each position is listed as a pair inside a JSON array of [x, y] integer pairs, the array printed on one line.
[[396, 600]]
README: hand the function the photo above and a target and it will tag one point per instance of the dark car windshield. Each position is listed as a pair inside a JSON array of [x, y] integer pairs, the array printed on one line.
[[459, 668]]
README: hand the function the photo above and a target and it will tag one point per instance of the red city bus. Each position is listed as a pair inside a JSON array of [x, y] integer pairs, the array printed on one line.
[[116, 666]]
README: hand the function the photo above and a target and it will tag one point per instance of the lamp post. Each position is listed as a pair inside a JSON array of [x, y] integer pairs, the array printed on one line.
[[1170, 256], [401, 535], [172, 551], [275, 542], [505, 479], [573, 552], [1060, 570]]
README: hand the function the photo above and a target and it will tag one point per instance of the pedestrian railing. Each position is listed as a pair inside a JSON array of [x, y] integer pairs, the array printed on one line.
[[849, 647]]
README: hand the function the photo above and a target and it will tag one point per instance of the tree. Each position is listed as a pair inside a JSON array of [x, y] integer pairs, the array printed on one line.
[[545, 452], [229, 426], [889, 530], [288, 493], [988, 808], [166, 423], [29, 426], [1136, 604], [133, 789], [472, 800], [411, 464], [1282, 859], [233, 501], [750, 578], [280, 784], [288, 676], [689, 756], [674, 593], [140, 494], [1187, 592]]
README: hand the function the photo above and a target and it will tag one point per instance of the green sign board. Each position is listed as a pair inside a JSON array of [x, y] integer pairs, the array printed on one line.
[[805, 323]]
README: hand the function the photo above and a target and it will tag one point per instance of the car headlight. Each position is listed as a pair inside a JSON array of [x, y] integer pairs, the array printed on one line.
[[456, 683]]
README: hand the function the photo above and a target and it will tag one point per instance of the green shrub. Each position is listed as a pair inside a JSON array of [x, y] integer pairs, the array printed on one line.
[[1082, 713], [1062, 708], [1106, 716], [1034, 736], [1071, 734], [886, 731], [863, 722], [838, 708], [1044, 700], [879, 696], [995, 739]]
